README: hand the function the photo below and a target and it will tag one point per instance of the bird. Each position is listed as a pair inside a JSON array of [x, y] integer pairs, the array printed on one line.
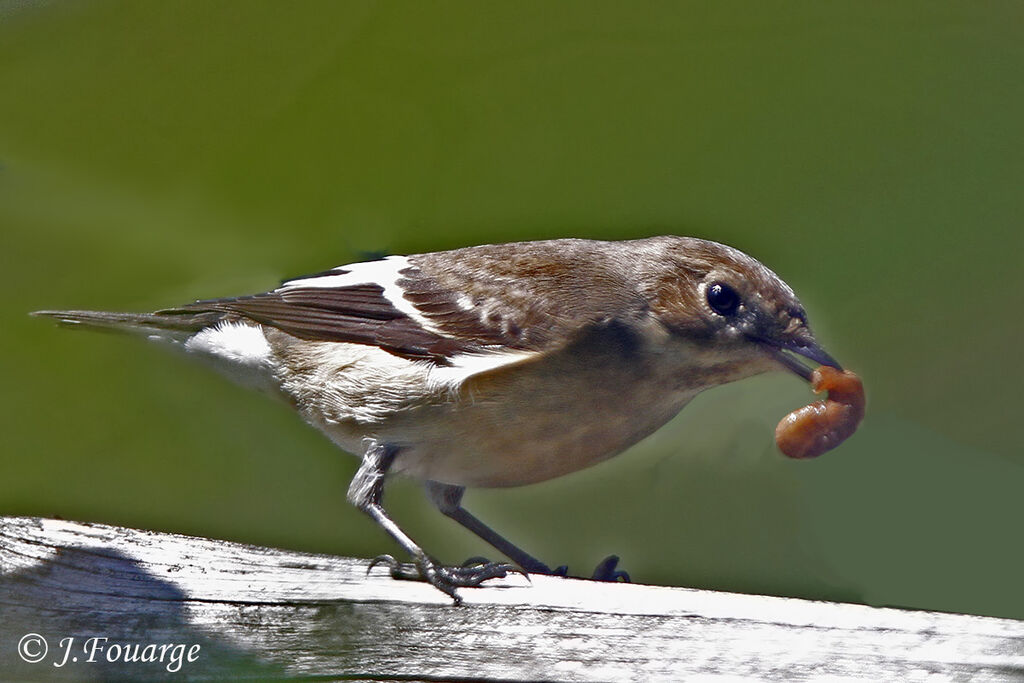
[[495, 365]]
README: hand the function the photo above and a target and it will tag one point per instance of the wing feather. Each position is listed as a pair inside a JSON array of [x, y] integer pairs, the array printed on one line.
[[358, 314], [526, 297]]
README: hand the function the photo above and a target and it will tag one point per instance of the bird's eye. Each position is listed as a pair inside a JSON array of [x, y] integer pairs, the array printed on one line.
[[722, 298]]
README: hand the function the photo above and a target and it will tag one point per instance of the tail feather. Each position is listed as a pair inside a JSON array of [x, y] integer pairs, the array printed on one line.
[[170, 321]]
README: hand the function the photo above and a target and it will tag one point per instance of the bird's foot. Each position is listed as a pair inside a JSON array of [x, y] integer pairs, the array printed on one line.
[[605, 571], [446, 579]]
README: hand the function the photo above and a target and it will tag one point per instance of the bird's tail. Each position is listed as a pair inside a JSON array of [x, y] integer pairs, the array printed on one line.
[[172, 324]]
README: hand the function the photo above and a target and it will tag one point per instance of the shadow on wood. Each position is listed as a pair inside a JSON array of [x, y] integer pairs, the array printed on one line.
[[263, 613]]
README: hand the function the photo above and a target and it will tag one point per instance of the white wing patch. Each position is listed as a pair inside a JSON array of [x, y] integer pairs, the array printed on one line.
[[384, 273], [466, 365]]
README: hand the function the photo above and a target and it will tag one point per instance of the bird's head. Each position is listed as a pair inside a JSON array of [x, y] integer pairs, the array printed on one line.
[[737, 314]]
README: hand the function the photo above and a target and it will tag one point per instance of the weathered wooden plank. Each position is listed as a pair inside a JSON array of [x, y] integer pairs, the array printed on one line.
[[265, 613]]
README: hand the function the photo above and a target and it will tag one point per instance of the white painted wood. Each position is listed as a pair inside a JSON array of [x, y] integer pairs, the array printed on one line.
[[265, 613]]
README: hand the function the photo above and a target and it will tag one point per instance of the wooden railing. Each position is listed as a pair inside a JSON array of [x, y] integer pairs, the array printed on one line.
[[89, 601]]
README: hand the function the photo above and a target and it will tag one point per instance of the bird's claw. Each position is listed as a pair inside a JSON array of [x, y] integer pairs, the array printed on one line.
[[399, 570], [445, 579], [477, 561], [605, 571]]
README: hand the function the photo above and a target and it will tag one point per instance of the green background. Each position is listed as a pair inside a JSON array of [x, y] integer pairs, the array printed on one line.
[[870, 153]]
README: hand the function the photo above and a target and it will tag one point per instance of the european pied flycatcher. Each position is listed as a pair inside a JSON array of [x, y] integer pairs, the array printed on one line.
[[496, 365]]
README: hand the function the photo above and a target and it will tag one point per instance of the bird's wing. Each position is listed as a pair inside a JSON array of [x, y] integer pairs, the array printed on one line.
[[438, 307], [354, 303], [531, 296]]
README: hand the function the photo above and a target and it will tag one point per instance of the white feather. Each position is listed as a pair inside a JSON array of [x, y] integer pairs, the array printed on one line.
[[240, 350], [384, 272], [466, 365]]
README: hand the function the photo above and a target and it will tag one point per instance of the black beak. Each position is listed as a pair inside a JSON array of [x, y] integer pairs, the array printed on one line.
[[786, 353]]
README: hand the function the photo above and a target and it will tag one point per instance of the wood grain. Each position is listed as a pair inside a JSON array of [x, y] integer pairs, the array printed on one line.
[[269, 614]]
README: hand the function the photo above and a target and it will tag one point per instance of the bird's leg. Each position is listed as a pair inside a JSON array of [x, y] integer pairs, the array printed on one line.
[[448, 499], [366, 492]]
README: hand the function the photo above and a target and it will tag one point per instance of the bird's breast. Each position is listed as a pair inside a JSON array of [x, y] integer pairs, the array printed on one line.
[[539, 419]]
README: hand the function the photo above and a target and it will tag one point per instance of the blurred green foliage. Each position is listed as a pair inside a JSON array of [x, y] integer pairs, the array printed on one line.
[[870, 153]]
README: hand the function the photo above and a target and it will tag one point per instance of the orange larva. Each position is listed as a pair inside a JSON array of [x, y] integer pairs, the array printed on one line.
[[821, 426]]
